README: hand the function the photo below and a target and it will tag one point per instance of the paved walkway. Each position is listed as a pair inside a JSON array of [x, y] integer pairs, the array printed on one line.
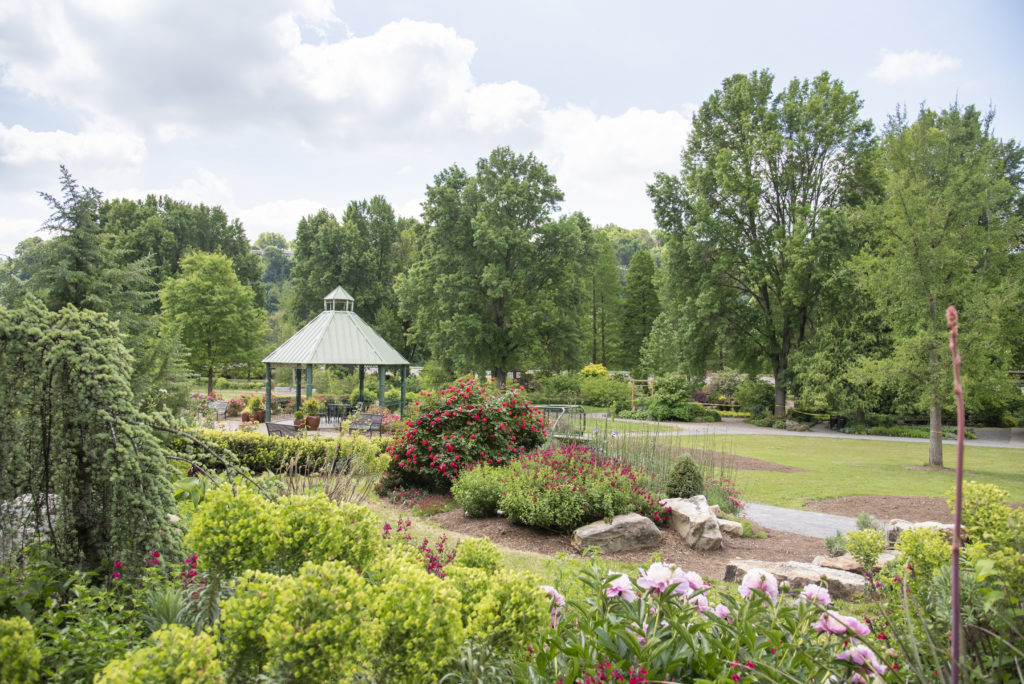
[[808, 523]]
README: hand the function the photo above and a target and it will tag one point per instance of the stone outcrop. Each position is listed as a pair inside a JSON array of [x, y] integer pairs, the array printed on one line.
[[693, 520], [624, 533], [730, 527], [896, 527], [841, 584], [849, 564]]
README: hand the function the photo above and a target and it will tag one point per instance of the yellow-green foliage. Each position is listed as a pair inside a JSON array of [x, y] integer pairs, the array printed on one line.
[[241, 624], [511, 613], [478, 552], [994, 530], [865, 546], [176, 656], [925, 549], [594, 370], [262, 453], [235, 532], [419, 623], [19, 655], [472, 583], [313, 528], [318, 630]]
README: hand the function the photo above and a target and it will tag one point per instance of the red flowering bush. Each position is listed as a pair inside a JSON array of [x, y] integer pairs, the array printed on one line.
[[466, 423]]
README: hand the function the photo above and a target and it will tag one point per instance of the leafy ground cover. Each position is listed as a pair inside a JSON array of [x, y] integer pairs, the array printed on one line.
[[849, 467]]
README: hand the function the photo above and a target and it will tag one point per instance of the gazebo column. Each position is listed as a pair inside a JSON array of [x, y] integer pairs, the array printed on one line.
[[309, 381], [362, 377], [269, 377], [380, 385], [297, 378], [401, 406]]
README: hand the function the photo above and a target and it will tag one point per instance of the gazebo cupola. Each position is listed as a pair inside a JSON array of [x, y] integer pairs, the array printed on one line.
[[339, 300]]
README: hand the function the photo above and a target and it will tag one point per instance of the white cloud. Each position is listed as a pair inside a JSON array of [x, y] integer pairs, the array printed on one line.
[[13, 231], [205, 188], [279, 216], [912, 64], [20, 146]]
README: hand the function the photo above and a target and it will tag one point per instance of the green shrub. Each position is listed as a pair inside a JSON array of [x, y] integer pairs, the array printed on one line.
[[865, 546], [924, 550], [755, 397], [512, 612], [19, 654], [241, 625], [176, 655], [561, 388], [836, 544], [417, 622], [594, 370], [685, 480], [234, 531], [994, 530], [472, 584], [478, 553], [866, 521], [603, 391], [478, 491], [266, 453]]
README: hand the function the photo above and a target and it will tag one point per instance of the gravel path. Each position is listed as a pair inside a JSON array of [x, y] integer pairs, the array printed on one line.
[[807, 523]]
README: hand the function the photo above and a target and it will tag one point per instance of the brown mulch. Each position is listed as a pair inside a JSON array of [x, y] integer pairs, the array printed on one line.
[[778, 546], [885, 508]]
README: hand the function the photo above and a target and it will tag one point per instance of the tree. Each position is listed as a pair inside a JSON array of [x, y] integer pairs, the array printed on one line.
[[214, 313], [660, 352], [494, 269], [640, 308], [947, 227], [603, 295], [757, 212]]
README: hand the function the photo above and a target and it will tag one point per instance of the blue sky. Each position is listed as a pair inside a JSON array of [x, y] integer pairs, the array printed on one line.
[[274, 109]]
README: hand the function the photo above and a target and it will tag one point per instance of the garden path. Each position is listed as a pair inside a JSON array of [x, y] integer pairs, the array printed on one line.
[[807, 523]]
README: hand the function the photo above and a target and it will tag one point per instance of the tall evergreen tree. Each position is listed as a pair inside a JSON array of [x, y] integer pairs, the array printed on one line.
[[640, 308], [602, 298]]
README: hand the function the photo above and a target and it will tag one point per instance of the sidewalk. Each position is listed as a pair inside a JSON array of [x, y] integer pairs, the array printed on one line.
[[807, 523]]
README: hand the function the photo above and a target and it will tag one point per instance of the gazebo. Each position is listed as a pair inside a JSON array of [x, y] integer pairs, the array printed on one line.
[[336, 337]]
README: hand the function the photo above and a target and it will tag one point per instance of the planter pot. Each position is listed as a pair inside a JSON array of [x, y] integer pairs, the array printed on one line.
[[259, 416], [246, 416], [312, 422], [299, 422]]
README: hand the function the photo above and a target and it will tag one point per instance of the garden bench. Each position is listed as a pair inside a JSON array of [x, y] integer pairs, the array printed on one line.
[[219, 408], [367, 422], [282, 430]]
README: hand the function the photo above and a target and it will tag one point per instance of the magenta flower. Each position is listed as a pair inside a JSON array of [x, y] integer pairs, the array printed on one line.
[[621, 587], [116, 575], [816, 594], [760, 580]]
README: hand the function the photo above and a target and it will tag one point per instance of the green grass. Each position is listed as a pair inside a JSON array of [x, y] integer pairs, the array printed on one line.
[[852, 467]]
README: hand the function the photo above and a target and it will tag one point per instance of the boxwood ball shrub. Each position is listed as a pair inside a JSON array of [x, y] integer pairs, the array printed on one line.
[[685, 480], [19, 654], [478, 553], [466, 423], [175, 655], [478, 489]]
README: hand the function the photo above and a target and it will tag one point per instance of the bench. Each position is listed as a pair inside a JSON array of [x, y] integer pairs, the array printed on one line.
[[367, 422], [219, 408], [282, 430]]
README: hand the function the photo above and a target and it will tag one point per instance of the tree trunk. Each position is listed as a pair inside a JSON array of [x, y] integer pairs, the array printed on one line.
[[860, 416], [935, 436], [780, 390], [499, 377], [209, 381]]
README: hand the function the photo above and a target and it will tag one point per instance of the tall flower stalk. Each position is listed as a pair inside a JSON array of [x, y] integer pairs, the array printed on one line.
[[952, 321]]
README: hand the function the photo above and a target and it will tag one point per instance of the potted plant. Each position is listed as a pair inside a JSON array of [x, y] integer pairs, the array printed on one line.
[[255, 406], [300, 419], [312, 408]]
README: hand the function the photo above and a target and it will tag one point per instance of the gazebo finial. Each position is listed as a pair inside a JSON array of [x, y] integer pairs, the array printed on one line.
[[339, 300]]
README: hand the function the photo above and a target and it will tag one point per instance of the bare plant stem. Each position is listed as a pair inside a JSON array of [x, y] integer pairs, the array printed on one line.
[[952, 321]]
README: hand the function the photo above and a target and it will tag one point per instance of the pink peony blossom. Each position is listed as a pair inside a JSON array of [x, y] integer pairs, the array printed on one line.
[[555, 596], [659, 577], [816, 594], [621, 587], [760, 580], [722, 612], [862, 655], [834, 623], [700, 601]]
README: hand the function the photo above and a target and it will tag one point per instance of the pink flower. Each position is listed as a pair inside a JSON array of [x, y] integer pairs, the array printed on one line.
[[700, 601], [760, 580], [658, 577], [696, 581], [555, 596], [862, 655], [722, 612], [621, 587], [834, 623], [816, 594], [116, 575]]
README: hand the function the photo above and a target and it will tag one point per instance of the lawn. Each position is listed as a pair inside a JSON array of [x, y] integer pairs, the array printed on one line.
[[851, 467]]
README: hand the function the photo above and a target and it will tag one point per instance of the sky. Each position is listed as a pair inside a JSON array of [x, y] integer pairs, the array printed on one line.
[[274, 109]]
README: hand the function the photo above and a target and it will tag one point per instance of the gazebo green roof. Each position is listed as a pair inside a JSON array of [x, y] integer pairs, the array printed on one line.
[[336, 337]]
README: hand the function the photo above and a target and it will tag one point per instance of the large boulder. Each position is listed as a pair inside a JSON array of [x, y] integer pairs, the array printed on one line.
[[897, 526], [624, 533], [693, 520], [841, 584], [849, 564], [730, 527]]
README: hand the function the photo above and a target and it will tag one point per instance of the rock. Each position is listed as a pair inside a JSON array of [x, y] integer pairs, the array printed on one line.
[[624, 533], [841, 584], [717, 510], [730, 527], [897, 526], [693, 520], [849, 564]]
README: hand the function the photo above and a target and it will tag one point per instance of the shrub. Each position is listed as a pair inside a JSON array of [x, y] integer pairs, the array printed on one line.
[[233, 531], [512, 612], [175, 655], [922, 551], [417, 622], [865, 546], [755, 397], [312, 407], [671, 401], [603, 391], [19, 655], [241, 625], [478, 553], [685, 480], [994, 530], [836, 544], [725, 382], [594, 370], [477, 490], [464, 424], [564, 488]]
